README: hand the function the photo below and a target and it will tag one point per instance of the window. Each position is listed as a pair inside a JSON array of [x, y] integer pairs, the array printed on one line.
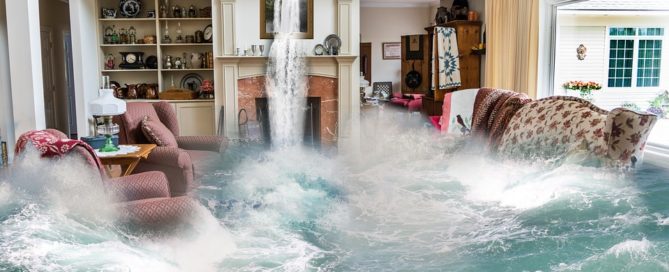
[[635, 55]]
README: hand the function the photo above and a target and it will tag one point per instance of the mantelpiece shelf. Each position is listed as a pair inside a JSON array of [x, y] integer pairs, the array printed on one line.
[[186, 44], [129, 70]]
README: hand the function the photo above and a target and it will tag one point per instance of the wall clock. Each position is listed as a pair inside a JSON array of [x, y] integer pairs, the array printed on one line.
[[132, 60], [208, 34], [130, 8]]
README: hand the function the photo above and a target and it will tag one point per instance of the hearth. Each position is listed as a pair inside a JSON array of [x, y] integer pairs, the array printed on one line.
[[312, 121]]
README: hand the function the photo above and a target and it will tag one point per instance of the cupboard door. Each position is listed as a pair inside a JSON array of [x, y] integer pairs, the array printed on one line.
[[195, 119]]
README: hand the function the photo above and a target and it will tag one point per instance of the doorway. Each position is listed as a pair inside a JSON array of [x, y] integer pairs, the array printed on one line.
[[366, 60], [58, 81]]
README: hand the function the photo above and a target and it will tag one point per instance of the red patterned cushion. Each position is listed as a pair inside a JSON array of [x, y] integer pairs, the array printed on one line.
[[158, 133]]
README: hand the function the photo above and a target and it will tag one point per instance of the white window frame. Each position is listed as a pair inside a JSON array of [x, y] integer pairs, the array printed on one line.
[[635, 54]]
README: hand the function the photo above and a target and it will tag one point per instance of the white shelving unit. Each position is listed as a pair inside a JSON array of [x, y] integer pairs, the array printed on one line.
[[156, 27], [197, 116]]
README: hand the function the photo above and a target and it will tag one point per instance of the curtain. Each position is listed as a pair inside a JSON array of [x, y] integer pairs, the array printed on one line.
[[512, 41]]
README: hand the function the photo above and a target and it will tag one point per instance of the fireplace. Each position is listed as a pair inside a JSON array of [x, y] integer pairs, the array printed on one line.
[[312, 121]]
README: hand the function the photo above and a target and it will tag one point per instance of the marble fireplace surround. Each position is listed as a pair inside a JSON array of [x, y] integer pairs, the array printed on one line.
[[319, 86], [330, 78]]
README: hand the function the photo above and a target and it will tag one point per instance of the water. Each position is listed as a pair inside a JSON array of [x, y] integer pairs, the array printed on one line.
[[413, 201], [286, 81]]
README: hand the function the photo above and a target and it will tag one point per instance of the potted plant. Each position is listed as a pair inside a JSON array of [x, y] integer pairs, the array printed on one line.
[[584, 88]]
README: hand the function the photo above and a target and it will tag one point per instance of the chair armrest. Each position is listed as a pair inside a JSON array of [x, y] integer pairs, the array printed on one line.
[[152, 184], [205, 143], [170, 156]]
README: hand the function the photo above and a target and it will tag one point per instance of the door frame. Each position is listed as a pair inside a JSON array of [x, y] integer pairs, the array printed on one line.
[[49, 91], [371, 61]]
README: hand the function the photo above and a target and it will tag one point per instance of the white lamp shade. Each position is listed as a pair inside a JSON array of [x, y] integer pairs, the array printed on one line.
[[107, 104]]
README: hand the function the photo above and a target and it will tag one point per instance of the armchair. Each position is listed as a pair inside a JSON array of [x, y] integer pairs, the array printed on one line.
[[142, 199], [178, 163]]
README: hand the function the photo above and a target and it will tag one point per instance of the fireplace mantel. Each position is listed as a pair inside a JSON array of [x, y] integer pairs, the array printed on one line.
[[325, 66], [234, 68]]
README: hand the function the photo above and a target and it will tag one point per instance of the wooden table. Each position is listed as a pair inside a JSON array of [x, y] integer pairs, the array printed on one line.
[[129, 160]]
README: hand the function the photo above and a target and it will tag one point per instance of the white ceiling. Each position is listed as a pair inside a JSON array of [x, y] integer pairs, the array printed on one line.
[[399, 3]]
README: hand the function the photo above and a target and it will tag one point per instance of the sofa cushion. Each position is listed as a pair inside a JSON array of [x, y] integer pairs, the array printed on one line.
[[457, 103], [628, 132], [158, 133]]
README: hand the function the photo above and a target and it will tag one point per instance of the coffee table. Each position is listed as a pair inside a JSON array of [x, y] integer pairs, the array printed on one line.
[[129, 160]]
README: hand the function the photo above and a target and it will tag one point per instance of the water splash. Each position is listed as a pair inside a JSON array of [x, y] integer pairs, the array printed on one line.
[[286, 82]]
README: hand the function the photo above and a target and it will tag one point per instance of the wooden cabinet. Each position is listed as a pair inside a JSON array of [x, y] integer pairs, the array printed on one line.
[[195, 118], [431, 107], [416, 57], [468, 35]]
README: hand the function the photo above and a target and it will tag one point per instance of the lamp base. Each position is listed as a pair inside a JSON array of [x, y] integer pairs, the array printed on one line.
[[109, 145]]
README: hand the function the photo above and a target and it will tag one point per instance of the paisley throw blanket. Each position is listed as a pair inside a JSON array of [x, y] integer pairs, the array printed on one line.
[[446, 43], [50, 145]]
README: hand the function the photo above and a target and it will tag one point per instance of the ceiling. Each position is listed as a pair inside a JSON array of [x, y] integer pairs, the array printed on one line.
[[399, 3]]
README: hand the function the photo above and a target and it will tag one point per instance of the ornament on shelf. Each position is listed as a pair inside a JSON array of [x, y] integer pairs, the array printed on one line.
[[166, 36], [132, 35], [109, 62], [164, 4], [192, 11], [180, 38]]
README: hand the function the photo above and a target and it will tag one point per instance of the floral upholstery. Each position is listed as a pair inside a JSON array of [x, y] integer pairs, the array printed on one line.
[[555, 126]]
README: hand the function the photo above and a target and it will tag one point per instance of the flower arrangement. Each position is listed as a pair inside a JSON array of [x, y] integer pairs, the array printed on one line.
[[584, 88]]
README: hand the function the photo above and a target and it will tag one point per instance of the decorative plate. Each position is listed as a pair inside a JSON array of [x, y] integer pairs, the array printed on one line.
[[191, 82], [332, 42], [130, 8], [319, 50]]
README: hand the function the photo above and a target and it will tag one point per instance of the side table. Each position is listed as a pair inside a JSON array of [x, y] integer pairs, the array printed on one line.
[[129, 160]]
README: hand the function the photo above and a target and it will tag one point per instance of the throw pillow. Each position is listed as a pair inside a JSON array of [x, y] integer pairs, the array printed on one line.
[[158, 133]]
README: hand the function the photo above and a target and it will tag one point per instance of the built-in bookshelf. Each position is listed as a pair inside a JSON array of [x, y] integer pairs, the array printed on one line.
[[145, 25]]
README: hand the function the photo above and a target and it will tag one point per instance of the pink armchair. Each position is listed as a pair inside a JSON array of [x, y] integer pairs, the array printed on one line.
[[143, 199], [178, 163]]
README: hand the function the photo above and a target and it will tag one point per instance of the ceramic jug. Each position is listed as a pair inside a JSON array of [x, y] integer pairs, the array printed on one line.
[[195, 60]]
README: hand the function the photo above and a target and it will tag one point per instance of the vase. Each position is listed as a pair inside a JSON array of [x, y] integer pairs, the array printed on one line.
[[586, 94]]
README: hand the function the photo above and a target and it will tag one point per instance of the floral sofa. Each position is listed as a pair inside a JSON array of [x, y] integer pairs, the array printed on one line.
[[511, 124], [560, 125]]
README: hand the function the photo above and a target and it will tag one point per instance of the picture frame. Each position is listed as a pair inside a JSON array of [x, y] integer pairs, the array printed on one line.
[[306, 22], [392, 50]]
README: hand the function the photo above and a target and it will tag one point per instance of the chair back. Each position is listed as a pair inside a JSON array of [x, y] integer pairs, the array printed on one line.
[[383, 89], [130, 122]]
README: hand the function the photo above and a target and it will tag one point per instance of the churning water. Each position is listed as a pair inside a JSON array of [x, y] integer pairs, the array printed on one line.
[[286, 80], [410, 201]]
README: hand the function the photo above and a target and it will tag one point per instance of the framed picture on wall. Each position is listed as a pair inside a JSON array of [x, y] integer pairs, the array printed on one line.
[[306, 19], [392, 50]]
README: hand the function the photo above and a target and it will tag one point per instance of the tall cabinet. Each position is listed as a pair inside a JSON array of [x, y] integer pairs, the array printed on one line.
[[468, 35], [193, 16]]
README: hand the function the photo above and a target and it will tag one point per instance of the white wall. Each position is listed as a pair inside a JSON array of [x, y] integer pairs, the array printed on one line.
[[6, 115], [381, 24], [83, 23], [55, 15], [247, 24], [574, 28]]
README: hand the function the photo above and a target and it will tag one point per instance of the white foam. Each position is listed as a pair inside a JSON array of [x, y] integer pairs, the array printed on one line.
[[633, 248]]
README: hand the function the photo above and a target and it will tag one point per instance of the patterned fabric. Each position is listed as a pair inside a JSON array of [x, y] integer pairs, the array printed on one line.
[[485, 109], [167, 116], [208, 143], [446, 43], [457, 103], [499, 121], [139, 186], [157, 133], [130, 122], [628, 132], [158, 212], [50, 145], [556, 126]]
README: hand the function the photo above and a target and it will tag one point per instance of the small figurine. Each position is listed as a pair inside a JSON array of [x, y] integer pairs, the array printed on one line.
[[168, 62], [192, 12], [132, 35], [109, 63], [177, 63]]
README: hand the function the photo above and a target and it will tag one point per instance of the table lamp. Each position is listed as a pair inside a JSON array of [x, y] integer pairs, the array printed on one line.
[[107, 106]]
